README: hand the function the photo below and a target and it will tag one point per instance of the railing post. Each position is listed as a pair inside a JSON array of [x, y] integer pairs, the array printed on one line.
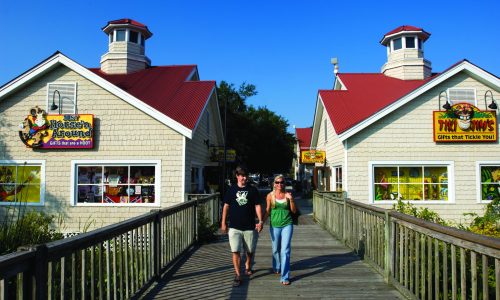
[[41, 269], [344, 221], [388, 247], [195, 220], [156, 244]]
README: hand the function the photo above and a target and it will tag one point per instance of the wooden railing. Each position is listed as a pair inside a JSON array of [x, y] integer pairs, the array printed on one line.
[[423, 260], [119, 261]]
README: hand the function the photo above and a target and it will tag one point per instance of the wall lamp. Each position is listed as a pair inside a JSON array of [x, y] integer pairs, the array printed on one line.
[[493, 104], [54, 106], [447, 105]]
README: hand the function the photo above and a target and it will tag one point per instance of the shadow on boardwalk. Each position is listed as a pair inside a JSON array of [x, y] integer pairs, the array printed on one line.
[[322, 268]]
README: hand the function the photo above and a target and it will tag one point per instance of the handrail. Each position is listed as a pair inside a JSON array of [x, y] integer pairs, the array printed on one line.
[[117, 261], [420, 258]]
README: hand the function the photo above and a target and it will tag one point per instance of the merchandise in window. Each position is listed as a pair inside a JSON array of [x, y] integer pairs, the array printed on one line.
[[420, 183], [490, 182], [20, 183], [116, 184]]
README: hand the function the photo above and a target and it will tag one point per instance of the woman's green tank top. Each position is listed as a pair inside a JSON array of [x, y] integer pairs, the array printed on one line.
[[280, 215]]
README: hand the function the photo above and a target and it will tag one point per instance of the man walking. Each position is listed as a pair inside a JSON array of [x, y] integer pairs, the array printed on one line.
[[241, 203]]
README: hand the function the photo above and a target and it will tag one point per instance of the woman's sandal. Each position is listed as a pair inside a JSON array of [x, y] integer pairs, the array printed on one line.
[[285, 282], [236, 281], [248, 272]]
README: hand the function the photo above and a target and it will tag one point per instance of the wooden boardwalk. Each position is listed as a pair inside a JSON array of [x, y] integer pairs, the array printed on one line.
[[321, 268]]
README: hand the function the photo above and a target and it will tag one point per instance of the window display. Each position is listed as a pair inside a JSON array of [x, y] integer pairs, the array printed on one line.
[[421, 183], [490, 182], [20, 183], [116, 184]]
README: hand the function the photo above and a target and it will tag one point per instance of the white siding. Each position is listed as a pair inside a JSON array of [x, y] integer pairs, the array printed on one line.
[[407, 135]]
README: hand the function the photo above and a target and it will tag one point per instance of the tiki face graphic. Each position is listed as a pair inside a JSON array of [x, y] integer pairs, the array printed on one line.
[[464, 113]]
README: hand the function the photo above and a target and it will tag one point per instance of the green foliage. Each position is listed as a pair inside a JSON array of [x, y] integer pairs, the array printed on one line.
[[30, 229], [489, 223], [421, 213], [258, 135], [206, 231]]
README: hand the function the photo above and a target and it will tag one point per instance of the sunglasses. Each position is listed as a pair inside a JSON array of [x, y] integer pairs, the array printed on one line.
[[279, 182]]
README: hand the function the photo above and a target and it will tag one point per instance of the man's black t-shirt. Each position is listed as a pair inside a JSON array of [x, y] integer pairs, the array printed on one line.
[[242, 201]]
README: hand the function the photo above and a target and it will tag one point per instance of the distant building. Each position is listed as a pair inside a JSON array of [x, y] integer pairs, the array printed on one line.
[[407, 133], [303, 170], [105, 144]]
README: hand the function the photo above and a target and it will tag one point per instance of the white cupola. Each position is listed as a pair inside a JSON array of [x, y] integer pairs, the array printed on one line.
[[405, 53], [127, 42]]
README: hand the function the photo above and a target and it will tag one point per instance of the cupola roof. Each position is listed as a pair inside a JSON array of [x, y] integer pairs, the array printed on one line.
[[422, 34], [128, 23]]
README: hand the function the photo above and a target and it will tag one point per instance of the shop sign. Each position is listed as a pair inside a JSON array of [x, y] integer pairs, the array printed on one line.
[[312, 156], [39, 130], [217, 154], [465, 123]]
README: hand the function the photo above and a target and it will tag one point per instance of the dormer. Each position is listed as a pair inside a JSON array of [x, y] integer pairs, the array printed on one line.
[[126, 51], [405, 53]]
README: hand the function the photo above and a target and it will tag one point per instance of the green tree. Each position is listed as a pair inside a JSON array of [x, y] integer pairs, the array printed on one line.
[[258, 135]]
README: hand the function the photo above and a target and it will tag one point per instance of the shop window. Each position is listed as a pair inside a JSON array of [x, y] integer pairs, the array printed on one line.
[[22, 182], [422, 183], [195, 180], [338, 179], [134, 37], [63, 95], [397, 44], [462, 95], [116, 183], [489, 181]]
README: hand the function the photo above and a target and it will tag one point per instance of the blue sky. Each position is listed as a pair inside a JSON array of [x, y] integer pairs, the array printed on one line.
[[282, 47]]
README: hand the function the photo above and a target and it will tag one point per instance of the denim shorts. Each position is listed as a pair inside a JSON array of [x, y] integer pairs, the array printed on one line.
[[242, 238]]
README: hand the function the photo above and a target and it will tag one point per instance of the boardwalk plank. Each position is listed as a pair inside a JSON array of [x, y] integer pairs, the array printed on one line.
[[322, 268]]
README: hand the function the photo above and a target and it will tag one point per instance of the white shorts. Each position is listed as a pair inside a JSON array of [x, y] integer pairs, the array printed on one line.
[[245, 238]]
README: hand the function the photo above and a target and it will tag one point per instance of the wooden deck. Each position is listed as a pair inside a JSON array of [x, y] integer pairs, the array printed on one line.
[[322, 268]]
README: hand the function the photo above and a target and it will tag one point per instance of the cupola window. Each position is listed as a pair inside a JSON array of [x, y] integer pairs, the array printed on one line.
[[397, 44], [410, 42], [134, 37], [120, 36]]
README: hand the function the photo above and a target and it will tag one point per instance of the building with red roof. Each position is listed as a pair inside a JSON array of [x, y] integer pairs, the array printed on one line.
[[409, 134], [303, 171], [108, 143]]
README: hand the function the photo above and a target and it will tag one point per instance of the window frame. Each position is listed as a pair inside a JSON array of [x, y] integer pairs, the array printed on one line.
[[479, 164], [451, 179], [32, 162], [74, 184]]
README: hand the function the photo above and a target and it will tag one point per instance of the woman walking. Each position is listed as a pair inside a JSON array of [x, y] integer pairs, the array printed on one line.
[[280, 205]]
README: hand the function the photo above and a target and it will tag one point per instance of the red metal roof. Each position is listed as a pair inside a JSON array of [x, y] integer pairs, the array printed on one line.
[[167, 90], [304, 137], [127, 21], [424, 35], [143, 28], [366, 94]]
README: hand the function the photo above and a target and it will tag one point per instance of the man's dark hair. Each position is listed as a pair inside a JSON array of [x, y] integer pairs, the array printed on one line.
[[240, 170]]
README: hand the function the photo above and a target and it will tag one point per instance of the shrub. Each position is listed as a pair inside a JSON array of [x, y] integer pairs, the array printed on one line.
[[30, 229]]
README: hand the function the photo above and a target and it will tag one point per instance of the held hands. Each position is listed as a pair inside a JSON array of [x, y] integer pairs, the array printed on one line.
[[259, 226]]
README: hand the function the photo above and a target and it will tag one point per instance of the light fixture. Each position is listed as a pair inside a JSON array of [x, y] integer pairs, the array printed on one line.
[[493, 104], [447, 105], [54, 106]]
